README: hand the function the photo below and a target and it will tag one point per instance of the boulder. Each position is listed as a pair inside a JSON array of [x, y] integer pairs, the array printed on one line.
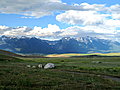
[[28, 66], [49, 65], [96, 62], [33, 66], [40, 66]]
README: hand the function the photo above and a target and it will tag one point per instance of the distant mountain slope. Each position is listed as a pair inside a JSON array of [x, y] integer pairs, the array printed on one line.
[[31, 45]]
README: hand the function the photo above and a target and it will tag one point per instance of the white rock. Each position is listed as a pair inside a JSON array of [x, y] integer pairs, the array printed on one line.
[[40, 66], [33, 66], [28, 66], [49, 65], [96, 62]]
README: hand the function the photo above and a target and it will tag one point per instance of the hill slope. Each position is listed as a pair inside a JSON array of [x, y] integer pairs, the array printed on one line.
[[7, 53]]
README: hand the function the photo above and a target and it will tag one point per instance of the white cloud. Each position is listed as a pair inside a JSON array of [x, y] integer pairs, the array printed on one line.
[[39, 8], [25, 17], [76, 31], [50, 31], [92, 31], [115, 8], [81, 17], [115, 16], [19, 31], [96, 7], [4, 29], [100, 29], [96, 14], [54, 32], [115, 11], [112, 22], [35, 8], [94, 20], [44, 32], [102, 23]]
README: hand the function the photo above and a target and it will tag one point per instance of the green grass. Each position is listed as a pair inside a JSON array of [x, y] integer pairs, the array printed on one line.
[[14, 75], [108, 65]]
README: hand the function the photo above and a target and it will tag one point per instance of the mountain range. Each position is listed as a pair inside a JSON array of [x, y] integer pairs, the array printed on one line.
[[33, 45]]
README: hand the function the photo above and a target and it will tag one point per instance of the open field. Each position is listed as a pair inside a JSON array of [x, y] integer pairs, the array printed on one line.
[[82, 73], [76, 54]]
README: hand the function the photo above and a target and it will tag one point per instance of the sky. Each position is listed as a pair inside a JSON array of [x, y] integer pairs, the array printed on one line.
[[54, 19]]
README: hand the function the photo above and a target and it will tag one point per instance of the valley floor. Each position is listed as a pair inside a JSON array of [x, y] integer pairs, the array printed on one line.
[[82, 73]]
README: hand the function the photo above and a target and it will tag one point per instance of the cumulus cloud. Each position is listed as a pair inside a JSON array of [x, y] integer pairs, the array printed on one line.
[[4, 29], [115, 8], [87, 18], [100, 21], [77, 31], [96, 7], [35, 8], [92, 31], [18, 31], [94, 20], [95, 14], [39, 8], [54, 32], [112, 22], [50, 31], [115, 11], [81, 17], [115, 16]]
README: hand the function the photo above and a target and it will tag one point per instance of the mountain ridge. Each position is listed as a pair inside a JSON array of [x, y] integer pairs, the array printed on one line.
[[65, 45]]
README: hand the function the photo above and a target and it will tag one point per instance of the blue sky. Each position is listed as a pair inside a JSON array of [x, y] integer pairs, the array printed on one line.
[[61, 18], [107, 2], [14, 20]]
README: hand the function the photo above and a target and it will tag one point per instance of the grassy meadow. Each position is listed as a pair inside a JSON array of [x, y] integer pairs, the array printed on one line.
[[70, 73], [76, 54]]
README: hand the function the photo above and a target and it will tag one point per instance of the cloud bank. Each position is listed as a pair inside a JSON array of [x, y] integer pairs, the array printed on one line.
[[35, 8], [40, 8], [54, 32], [95, 20]]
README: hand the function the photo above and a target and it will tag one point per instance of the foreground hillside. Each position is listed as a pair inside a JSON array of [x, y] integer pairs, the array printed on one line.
[[33, 45], [70, 73]]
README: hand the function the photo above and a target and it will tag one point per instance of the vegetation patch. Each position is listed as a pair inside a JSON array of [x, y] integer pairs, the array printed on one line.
[[69, 73]]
